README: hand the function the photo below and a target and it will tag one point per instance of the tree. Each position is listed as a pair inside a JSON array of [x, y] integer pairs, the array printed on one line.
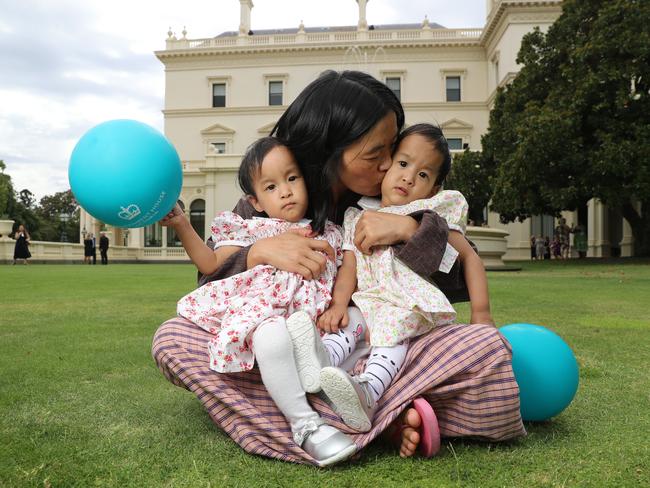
[[50, 210], [471, 175], [6, 192], [575, 122]]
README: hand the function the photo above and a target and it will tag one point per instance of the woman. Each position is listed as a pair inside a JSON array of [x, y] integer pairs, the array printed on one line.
[[21, 249], [341, 129], [88, 248]]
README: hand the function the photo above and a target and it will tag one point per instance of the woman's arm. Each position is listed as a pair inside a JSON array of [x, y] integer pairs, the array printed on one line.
[[475, 277], [336, 316], [421, 251], [292, 251]]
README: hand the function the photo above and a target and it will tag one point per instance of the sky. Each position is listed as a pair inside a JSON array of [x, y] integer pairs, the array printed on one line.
[[68, 65]]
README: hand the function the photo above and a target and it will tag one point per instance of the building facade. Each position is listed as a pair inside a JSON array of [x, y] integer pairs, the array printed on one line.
[[224, 92]]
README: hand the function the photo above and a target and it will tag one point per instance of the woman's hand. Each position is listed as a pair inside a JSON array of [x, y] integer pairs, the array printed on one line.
[[293, 251], [382, 229]]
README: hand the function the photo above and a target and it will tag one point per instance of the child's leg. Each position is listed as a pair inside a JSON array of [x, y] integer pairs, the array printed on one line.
[[274, 355], [312, 353], [383, 365], [354, 398], [343, 343]]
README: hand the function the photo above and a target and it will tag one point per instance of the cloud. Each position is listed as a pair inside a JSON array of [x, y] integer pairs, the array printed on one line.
[[69, 65]]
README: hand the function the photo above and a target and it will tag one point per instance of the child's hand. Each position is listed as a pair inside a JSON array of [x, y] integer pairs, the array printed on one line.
[[481, 318], [174, 217], [333, 319]]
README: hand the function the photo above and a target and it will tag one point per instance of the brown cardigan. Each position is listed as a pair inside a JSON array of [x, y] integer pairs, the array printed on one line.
[[422, 253]]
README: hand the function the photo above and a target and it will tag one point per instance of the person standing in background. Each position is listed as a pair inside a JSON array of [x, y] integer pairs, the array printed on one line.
[[94, 248], [21, 249], [533, 251], [103, 247], [547, 248]]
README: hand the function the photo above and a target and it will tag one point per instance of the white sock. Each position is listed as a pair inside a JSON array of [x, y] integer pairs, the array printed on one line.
[[343, 343], [383, 365], [274, 355]]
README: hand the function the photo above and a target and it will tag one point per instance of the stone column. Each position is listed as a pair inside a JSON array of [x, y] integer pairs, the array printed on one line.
[[597, 235], [245, 16], [363, 23]]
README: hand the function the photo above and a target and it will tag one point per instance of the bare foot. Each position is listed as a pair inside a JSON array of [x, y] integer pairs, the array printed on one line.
[[404, 432], [410, 438]]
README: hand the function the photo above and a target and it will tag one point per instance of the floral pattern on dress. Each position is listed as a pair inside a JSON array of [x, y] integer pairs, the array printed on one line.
[[232, 308], [397, 303]]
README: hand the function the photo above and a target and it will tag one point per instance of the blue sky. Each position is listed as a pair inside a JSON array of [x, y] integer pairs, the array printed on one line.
[[68, 65]]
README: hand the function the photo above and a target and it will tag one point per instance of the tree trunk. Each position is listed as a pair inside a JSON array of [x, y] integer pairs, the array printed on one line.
[[640, 224]]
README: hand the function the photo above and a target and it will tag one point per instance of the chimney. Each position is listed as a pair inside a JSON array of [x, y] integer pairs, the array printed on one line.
[[245, 17], [363, 23]]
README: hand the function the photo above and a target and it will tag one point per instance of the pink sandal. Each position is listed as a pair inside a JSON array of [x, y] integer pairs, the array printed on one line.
[[429, 430]]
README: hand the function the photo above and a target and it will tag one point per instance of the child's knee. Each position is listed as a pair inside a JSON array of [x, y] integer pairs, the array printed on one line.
[[271, 340]]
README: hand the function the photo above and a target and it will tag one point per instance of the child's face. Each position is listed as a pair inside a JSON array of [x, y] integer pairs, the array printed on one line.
[[280, 189], [412, 176]]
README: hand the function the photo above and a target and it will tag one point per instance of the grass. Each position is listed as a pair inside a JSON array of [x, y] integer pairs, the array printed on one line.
[[82, 403]]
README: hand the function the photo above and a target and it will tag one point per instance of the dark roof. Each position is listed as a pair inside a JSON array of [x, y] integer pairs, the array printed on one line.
[[338, 28]]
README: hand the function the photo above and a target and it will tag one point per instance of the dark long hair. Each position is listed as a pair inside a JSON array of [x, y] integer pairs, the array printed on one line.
[[330, 114], [434, 135]]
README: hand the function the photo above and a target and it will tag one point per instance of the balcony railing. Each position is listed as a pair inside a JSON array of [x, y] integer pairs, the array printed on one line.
[[435, 35]]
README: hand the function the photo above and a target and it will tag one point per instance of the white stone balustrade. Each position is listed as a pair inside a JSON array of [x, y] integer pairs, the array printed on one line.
[[374, 36]]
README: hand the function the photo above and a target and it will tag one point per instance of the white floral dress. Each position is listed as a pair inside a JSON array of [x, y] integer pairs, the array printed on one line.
[[397, 303], [232, 308]]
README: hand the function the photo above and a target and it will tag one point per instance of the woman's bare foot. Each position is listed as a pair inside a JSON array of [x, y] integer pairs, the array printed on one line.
[[404, 432], [410, 438]]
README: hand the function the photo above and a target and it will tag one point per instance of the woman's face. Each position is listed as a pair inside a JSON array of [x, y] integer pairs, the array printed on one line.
[[366, 160]]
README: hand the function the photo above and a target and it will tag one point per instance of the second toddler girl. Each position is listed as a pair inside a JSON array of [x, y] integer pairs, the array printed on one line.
[[395, 303]]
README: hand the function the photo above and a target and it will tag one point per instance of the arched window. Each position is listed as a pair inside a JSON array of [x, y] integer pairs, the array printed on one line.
[[197, 217]]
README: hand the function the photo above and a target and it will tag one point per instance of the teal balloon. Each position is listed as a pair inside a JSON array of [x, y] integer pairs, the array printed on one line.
[[545, 368], [125, 173]]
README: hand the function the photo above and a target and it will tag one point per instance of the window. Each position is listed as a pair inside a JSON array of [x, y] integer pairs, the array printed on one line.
[[455, 143], [218, 147], [542, 225], [219, 95], [172, 238], [275, 92], [453, 88], [153, 235], [395, 85], [197, 217]]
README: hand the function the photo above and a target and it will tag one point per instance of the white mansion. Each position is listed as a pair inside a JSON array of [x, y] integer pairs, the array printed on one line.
[[224, 92]]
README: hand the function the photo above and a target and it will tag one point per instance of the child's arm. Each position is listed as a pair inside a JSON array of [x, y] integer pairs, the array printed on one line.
[[206, 260], [475, 279], [336, 316]]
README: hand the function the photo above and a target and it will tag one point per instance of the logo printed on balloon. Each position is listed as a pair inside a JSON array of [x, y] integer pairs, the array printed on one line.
[[152, 211], [130, 212]]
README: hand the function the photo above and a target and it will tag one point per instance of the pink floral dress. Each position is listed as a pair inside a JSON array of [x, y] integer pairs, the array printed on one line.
[[397, 303], [232, 308]]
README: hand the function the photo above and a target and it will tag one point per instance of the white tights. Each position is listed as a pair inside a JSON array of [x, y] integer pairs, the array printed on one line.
[[274, 354], [384, 363]]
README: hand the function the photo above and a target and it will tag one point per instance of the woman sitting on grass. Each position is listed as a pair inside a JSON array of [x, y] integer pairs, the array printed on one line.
[[342, 129]]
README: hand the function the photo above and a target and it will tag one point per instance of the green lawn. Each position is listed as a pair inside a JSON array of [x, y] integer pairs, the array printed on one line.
[[82, 403]]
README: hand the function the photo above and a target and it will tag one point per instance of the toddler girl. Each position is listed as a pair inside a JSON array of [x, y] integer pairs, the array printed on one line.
[[395, 303], [246, 312]]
